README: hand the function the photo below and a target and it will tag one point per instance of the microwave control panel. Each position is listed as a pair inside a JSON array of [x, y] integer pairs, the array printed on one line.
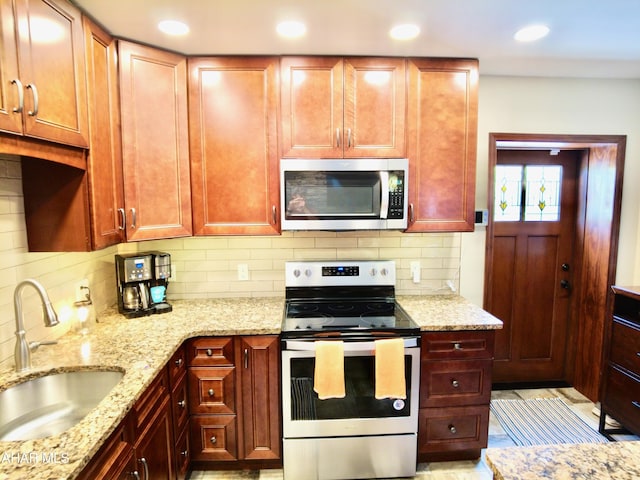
[[396, 195]]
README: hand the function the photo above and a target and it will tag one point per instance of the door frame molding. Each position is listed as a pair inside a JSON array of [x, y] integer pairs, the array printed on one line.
[[596, 243]]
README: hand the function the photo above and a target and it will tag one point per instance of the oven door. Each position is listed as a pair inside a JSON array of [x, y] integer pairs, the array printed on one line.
[[359, 412]]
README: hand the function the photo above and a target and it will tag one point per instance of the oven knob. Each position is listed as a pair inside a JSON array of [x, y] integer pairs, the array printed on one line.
[[373, 272], [308, 272], [384, 272], [296, 273]]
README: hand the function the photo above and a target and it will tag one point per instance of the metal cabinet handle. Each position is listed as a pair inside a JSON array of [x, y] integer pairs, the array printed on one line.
[[274, 213], [348, 138], [210, 392], [143, 461], [36, 101], [182, 403], [635, 404], [135, 474], [123, 219], [133, 218], [20, 106], [338, 137], [453, 429], [213, 440], [457, 346], [179, 362], [246, 358], [209, 352], [184, 453], [411, 213], [455, 383]]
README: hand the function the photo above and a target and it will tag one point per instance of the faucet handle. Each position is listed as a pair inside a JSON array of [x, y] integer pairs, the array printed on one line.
[[33, 346]]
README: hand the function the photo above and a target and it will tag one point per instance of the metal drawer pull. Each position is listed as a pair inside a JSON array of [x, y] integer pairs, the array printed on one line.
[[209, 352], [179, 362], [20, 106], [146, 468], [184, 453], [36, 101], [455, 383], [452, 429], [457, 346], [246, 358], [210, 392], [182, 403], [213, 440], [635, 404], [136, 475]]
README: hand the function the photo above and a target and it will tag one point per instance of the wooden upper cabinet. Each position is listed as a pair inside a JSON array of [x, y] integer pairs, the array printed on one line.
[[233, 108], [43, 92], [104, 162], [343, 108], [155, 142], [441, 144]]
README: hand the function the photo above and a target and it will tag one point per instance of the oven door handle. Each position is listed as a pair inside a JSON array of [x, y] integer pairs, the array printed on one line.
[[310, 346]]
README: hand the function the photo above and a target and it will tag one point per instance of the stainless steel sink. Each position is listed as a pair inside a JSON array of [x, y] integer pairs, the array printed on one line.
[[51, 404]]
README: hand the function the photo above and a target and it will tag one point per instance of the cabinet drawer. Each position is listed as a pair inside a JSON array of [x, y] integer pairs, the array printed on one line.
[[210, 352], [212, 390], [213, 437], [622, 398], [450, 429], [182, 455], [177, 367], [455, 383], [179, 406], [625, 346], [457, 345]]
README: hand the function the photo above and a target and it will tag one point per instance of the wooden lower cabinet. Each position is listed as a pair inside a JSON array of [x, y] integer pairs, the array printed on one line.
[[455, 391], [234, 402]]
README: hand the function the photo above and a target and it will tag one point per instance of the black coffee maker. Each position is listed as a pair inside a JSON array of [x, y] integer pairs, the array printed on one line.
[[142, 280]]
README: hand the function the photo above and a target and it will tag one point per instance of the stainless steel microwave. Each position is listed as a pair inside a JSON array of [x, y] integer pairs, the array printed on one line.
[[349, 194]]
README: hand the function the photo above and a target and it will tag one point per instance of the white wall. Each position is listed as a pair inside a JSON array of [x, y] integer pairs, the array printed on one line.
[[558, 106]]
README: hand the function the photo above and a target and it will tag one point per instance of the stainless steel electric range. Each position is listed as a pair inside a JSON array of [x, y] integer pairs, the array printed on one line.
[[358, 435]]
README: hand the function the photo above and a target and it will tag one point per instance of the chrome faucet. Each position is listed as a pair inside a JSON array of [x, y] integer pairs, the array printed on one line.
[[23, 349]]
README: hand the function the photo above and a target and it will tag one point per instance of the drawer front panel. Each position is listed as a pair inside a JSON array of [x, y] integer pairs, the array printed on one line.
[[622, 397], [625, 349], [455, 383], [212, 390], [210, 352], [457, 345], [213, 437], [177, 367], [179, 405], [450, 429]]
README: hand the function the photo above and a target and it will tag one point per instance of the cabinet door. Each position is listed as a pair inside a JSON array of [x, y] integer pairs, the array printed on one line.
[[259, 368], [10, 121], [155, 139], [233, 106], [52, 71], [312, 107], [375, 107], [442, 121], [154, 449], [104, 165]]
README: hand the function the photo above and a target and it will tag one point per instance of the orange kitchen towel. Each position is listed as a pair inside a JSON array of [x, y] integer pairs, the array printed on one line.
[[328, 379], [390, 375]]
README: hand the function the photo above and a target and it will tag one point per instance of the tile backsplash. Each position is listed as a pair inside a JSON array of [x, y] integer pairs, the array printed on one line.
[[202, 266]]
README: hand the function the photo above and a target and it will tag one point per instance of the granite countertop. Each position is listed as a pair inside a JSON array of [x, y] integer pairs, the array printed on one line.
[[140, 347], [613, 461]]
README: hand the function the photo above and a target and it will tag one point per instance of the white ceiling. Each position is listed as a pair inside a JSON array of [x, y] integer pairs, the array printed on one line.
[[589, 38]]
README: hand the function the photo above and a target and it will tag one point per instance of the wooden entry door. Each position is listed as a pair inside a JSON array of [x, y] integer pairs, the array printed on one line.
[[529, 287]]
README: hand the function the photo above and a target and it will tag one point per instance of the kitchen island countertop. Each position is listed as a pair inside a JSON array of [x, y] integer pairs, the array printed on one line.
[[140, 347], [611, 461]]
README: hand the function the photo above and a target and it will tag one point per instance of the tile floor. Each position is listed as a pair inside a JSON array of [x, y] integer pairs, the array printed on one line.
[[464, 470]]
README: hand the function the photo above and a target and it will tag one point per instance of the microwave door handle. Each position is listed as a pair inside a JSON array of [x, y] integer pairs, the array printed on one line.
[[384, 190]]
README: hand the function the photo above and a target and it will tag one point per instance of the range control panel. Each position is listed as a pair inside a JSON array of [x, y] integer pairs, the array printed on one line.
[[339, 273]]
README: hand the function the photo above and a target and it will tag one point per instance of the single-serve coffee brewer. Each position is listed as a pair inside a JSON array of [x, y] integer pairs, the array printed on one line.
[[142, 283]]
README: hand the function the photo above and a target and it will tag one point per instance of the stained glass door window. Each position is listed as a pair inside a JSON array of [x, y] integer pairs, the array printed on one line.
[[530, 193]]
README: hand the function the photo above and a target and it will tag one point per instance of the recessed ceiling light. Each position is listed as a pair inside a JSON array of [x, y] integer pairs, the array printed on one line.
[[291, 29], [406, 31], [531, 33], [173, 27]]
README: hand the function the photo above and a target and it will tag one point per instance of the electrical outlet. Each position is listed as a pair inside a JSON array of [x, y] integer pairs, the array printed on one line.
[[451, 285], [81, 290], [415, 271], [243, 271]]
